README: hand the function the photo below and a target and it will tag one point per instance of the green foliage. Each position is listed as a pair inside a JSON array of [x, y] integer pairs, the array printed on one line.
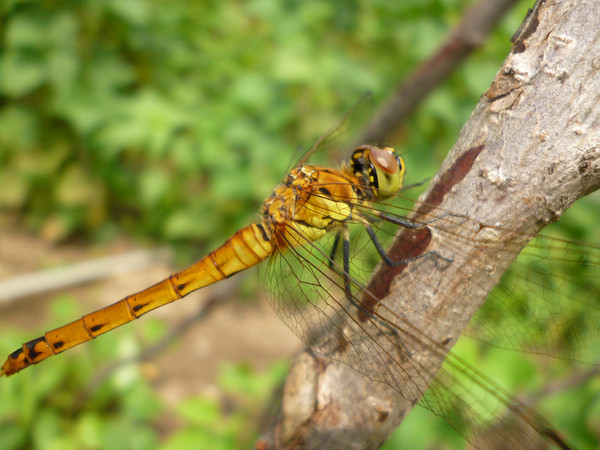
[[571, 410], [208, 424], [62, 407], [174, 123], [59, 408]]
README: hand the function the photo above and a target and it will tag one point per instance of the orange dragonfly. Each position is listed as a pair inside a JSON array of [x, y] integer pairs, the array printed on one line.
[[313, 230]]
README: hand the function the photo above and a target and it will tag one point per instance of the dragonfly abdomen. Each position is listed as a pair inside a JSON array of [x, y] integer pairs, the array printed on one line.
[[246, 248]]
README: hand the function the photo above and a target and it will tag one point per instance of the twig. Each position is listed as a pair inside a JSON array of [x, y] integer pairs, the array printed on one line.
[[59, 278], [575, 379], [478, 22]]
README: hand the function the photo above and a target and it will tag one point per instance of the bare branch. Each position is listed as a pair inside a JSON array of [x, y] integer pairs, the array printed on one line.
[[58, 278], [478, 22]]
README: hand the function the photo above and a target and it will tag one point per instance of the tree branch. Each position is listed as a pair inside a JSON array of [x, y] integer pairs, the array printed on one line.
[[530, 149], [59, 278], [478, 22]]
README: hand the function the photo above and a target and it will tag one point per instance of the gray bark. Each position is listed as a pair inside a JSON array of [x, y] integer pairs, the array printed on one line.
[[530, 149]]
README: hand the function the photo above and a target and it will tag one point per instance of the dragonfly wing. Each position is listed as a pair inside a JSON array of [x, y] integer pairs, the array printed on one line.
[[306, 289], [547, 301], [339, 137]]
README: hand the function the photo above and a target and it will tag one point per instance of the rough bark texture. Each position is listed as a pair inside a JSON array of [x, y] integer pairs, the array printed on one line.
[[530, 149]]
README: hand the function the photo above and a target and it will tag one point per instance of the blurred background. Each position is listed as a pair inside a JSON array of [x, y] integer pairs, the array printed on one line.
[[145, 124]]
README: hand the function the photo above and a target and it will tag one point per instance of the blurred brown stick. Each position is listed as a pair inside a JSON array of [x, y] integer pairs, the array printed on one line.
[[59, 278], [478, 22]]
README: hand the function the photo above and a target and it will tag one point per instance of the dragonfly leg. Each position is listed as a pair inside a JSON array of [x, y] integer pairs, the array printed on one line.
[[414, 185], [407, 223], [346, 254], [334, 248], [347, 283], [346, 272], [386, 257]]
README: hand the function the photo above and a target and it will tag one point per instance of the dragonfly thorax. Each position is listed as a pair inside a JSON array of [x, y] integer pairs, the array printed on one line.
[[310, 202], [378, 169]]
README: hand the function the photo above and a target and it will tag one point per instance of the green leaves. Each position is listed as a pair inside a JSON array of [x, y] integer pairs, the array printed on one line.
[[211, 423], [47, 410], [40, 49], [162, 119]]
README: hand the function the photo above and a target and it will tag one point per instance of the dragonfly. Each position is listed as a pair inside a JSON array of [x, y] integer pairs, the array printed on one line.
[[314, 230]]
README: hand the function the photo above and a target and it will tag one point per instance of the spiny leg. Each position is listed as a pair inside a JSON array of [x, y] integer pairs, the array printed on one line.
[[405, 223], [385, 256], [346, 267], [334, 248], [345, 233], [347, 281]]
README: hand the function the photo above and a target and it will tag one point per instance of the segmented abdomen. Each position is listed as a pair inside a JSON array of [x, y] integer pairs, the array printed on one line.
[[246, 248]]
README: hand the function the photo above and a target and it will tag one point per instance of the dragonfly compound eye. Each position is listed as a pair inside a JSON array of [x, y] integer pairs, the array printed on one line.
[[388, 169]]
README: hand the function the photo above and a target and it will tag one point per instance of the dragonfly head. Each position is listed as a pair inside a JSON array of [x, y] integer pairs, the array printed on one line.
[[378, 167]]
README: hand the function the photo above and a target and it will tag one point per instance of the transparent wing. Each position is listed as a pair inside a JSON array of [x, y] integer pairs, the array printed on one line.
[[538, 304], [339, 137], [547, 301]]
